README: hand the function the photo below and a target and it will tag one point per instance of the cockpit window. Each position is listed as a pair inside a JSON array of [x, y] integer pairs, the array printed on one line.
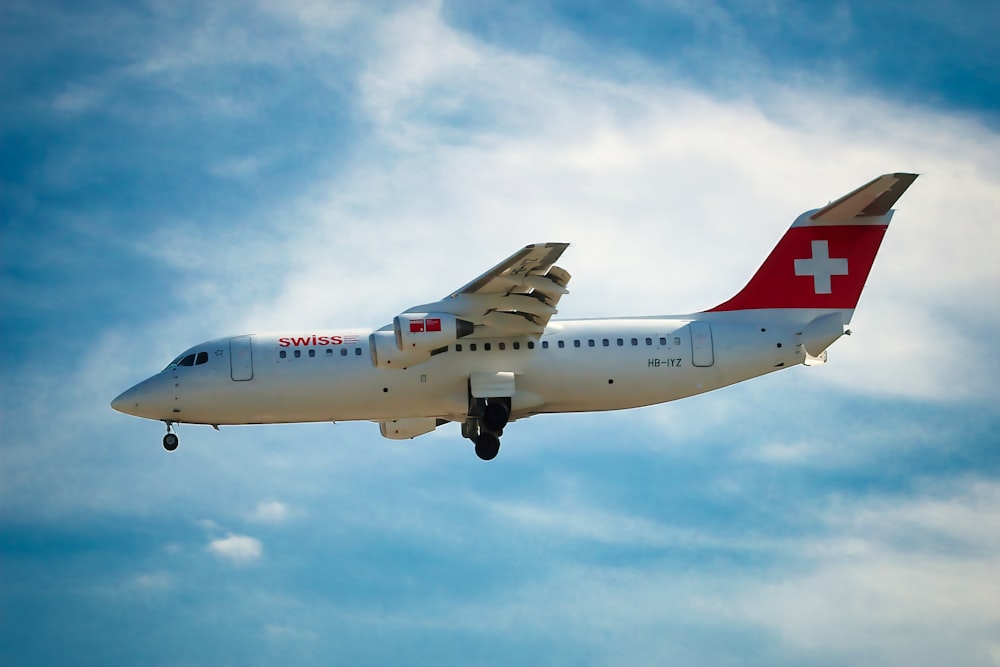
[[188, 360]]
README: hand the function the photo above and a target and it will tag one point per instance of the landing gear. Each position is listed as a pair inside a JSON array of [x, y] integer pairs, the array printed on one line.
[[170, 440], [485, 423], [487, 445], [495, 416]]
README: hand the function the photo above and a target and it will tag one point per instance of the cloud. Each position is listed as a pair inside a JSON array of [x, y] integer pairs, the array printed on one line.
[[906, 581], [271, 511], [239, 549]]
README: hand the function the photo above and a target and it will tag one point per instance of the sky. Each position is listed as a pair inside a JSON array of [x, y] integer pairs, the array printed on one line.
[[178, 171]]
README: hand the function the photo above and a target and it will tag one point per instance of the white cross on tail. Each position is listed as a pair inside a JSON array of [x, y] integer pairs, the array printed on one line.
[[821, 266]]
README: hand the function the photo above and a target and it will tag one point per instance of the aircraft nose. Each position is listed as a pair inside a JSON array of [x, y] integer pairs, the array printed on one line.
[[128, 401]]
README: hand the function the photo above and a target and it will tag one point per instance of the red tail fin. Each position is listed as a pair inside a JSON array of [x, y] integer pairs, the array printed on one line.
[[824, 258]]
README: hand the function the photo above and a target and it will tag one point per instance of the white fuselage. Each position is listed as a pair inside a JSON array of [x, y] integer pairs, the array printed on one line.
[[489, 352], [575, 366]]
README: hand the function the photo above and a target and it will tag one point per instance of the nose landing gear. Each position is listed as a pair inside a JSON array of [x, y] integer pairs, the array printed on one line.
[[170, 440]]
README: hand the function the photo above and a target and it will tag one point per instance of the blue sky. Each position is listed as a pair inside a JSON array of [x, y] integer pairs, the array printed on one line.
[[174, 172]]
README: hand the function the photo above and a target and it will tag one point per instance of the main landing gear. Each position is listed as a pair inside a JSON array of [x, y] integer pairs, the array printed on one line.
[[484, 426], [170, 440]]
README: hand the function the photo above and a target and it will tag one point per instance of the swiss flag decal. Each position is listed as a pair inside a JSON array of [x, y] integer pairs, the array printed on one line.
[[433, 323], [416, 326], [816, 266]]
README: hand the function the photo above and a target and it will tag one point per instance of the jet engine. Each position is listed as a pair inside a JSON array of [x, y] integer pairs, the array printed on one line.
[[415, 331], [416, 337]]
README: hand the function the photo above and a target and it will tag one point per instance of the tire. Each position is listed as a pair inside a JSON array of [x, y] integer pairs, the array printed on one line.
[[487, 446], [495, 416], [170, 442]]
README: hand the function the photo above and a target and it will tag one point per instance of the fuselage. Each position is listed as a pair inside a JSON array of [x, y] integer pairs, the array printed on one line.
[[490, 352], [574, 366]]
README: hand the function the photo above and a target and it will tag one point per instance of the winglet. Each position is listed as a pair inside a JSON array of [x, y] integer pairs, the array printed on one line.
[[872, 199]]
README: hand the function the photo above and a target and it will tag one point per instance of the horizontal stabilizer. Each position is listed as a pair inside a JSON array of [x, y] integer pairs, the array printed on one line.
[[872, 199]]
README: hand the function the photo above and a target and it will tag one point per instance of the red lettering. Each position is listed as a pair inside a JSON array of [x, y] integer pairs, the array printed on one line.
[[433, 323], [416, 326], [315, 340]]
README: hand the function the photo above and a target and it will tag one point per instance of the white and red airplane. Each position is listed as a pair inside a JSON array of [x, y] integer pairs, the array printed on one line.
[[488, 353]]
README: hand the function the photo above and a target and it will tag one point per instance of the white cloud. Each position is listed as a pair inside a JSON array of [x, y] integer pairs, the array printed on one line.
[[886, 580], [240, 549], [903, 582], [271, 511]]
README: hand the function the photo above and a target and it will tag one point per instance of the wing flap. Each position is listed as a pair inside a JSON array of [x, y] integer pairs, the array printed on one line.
[[518, 296]]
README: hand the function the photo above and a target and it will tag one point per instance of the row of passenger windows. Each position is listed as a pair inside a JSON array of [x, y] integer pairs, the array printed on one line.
[[473, 347], [591, 342], [312, 352]]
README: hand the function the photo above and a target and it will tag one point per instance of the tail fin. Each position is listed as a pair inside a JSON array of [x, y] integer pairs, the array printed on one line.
[[824, 258]]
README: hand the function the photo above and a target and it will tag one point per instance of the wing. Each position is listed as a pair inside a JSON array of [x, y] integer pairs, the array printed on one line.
[[515, 297]]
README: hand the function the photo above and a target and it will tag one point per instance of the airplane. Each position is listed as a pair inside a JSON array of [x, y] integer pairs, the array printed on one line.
[[489, 353]]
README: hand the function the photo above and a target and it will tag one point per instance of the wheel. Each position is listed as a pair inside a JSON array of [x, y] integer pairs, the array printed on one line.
[[170, 442], [487, 446], [495, 416]]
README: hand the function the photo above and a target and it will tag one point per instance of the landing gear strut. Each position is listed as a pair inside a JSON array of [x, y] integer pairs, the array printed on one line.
[[170, 440], [485, 424]]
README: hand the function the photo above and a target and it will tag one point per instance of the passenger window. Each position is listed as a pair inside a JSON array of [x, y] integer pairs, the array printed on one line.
[[576, 343], [458, 347], [517, 345], [357, 352], [343, 351], [545, 344], [312, 353], [297, 353], [329, 351], [502, 346], [531, 345], [487, 347], [620, 342], [590, 343], [635, 341], [562, 344], [282, 354], [201, 358], [472, 347], [187, 361], [605, 342], [649, 341], [663, 341], [677, 340]]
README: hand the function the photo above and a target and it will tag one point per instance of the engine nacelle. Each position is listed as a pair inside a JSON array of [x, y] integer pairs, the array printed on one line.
[[428, 331], [385, 354], [406, 429]]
